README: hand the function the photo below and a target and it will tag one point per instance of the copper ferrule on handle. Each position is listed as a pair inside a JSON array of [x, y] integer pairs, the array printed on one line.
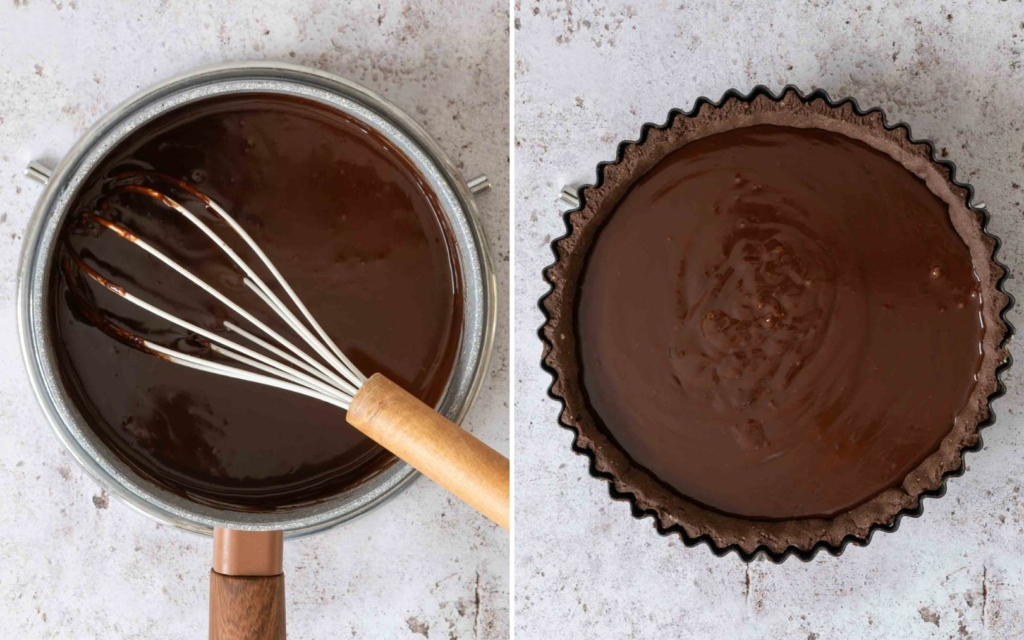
[[247, 553]]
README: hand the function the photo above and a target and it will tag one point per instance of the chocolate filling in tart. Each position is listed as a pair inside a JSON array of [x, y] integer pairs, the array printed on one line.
[[352, 226], [784, 323]]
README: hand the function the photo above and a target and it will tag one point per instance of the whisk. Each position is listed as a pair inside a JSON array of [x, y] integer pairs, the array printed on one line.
[[308, 362]]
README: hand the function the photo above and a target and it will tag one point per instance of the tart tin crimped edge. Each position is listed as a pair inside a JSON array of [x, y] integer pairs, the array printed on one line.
[[582, 445]]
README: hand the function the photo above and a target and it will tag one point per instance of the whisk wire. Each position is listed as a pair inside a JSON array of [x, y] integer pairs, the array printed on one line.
[[202, 284], [231, 222], [211, 204], [231, 326], [208, 366], [184, 324], [303, 380], [288, 289], [335, 382], [347, 370]]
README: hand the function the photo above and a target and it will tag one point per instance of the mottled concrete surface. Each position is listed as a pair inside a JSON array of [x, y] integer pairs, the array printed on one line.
[[76, 564], [589, 74]]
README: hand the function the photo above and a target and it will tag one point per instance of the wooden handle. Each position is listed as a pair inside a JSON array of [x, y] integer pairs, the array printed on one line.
[[247, 586], [246, 607], [433, 445]]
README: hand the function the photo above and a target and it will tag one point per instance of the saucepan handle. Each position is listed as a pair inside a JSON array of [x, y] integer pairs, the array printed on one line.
[[247, 586]]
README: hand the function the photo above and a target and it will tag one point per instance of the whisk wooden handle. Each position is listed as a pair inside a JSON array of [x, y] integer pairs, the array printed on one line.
[[434, 445]]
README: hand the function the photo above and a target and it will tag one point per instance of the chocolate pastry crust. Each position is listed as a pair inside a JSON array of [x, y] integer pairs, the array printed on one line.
[[648, 495]]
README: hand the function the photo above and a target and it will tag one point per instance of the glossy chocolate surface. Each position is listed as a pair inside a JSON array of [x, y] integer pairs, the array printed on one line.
[[779, 322], [354, 229]]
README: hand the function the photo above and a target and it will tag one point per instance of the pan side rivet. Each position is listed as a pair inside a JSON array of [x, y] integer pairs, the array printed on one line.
[[479, 184], [570, 195], [38, 172]]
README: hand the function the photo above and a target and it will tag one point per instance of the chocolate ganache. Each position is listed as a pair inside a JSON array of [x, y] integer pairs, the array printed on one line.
[[352, 226], [776, 323], [779, 322]]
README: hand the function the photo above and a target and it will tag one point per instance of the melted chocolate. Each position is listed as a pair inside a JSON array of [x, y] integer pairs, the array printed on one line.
[[779, 322], [351, 225]]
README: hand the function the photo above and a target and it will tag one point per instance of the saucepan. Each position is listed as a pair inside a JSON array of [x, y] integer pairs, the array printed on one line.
[[247, 543]]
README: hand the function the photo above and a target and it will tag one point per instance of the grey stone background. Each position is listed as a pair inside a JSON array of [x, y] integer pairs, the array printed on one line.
[[589, 74], [75, 563]]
